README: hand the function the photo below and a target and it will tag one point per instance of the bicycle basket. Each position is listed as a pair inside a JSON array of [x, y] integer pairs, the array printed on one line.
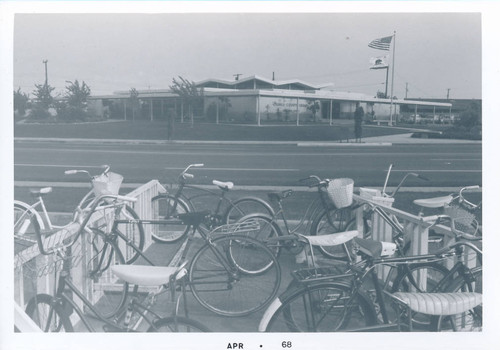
[[244, 227], [107, 184], [63, 252], [463, 220], [340, 192]]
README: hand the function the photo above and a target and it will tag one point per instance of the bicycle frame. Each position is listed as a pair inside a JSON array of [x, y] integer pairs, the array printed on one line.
[[190, 238]]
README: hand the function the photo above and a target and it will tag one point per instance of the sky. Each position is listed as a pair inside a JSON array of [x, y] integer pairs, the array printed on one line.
[[436, 54]]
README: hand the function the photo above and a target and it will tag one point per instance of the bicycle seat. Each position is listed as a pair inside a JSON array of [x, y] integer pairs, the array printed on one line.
[[439, 304], [436, 202], [375, 249], [277, 196], [145, 275], [331, 239], [41, 191], [194, 218], [226, 186]]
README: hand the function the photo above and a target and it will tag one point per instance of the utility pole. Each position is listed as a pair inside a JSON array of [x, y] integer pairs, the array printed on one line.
[[448, 94], [406, 93], [46, 74]]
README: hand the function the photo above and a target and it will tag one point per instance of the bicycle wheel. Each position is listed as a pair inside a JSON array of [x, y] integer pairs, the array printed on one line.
[[108, 292], [266, 229], [244, 206], [177, 324], [333, 221], [131, 228], [470, 321], [134, 231], [167, 207], [218, 282], [48, 314], [410, 278], [322, 307]]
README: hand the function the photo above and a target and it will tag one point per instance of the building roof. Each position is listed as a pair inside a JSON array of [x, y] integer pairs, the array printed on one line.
[[256, 78]]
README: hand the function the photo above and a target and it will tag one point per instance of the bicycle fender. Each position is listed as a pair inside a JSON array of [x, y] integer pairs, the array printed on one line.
[[29, 208]]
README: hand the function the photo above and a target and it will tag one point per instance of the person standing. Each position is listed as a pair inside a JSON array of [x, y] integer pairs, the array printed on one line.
[[170, 123], [358, 120]]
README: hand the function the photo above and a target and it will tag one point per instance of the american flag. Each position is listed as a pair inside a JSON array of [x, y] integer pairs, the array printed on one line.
[[381, 44]]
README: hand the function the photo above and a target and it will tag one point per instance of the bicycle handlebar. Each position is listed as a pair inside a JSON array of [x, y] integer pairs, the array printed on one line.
[[75, 171], [462, 198], [184, 174], [317, 178]]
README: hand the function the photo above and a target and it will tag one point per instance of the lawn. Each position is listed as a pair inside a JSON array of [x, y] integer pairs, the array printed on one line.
[[143, 130]]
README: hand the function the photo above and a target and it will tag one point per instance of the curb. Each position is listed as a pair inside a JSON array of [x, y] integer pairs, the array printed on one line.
[[36, 184], [180, 142]]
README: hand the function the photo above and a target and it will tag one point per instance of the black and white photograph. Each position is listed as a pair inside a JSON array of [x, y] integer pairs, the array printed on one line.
[[251, 172]]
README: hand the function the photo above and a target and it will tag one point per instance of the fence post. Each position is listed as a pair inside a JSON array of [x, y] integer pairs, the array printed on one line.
[[381, 230]]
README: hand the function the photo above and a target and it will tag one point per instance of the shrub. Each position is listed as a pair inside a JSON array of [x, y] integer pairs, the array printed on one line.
[[72, 114]]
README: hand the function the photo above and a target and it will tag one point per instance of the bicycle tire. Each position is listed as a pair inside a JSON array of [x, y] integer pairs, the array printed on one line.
[[267, 229], [244, 206], [471, 320], [333, 221], [132, 230], [163, 209], [48, 314], [320, 307], [406, 281], [219, 283], [113, 293], [177, 324]]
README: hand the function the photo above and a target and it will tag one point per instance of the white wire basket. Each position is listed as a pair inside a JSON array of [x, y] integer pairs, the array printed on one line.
[[340, 192], [244, 227], [463, 220], [106, 184], [62, 252]]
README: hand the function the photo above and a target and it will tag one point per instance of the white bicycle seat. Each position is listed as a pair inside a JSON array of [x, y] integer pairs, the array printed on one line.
[[145, 275], [331, 239], [41, 191], [223, 185], [443, 304], [436, 202]]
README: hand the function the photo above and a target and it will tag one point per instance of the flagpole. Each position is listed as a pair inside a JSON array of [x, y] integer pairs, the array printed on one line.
[[386, 80], [392, 77]]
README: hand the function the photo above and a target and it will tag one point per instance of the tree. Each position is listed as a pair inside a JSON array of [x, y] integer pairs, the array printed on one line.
[[20, 102], [471, 117], [77, 94], [43, 94], [134, 101], [314, 107], [188, 92]]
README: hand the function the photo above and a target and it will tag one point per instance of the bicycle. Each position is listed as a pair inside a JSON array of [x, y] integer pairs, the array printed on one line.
[[168, 205], [231, 274], [52, 313], [456, 206], [105, 183], [321, 299], [345, 218], [320, 208]]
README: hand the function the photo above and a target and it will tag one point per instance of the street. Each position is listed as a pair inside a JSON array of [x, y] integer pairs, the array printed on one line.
[[252, 165]]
